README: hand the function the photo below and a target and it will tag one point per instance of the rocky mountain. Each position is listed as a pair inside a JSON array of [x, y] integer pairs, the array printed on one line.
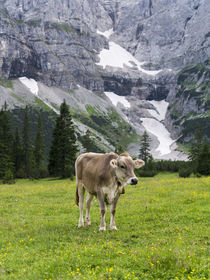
[[100, 54]]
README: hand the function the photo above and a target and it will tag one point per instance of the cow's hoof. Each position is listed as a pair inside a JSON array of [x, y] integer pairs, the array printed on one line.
[[80, 225], [87, 223], [102, 229], [113, 228]]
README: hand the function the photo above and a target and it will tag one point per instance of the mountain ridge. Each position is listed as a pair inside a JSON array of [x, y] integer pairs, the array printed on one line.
[[58, 44]]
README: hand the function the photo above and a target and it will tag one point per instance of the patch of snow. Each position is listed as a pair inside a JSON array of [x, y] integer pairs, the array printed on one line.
[[116, 56], [31, 84], [162, 134], [161, 109], [115, 99], [106, 33]]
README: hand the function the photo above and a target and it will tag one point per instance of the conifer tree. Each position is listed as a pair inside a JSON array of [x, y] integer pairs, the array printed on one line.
[[28, 161], [145, 147], [18, 154], [63, 149], [195, 148], [6, 143], [39, 147], [87, 142], [119, 149], [204, 160]]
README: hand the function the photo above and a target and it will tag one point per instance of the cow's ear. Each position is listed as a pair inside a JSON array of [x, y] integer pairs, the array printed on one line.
[[113, 163], [138, 163]]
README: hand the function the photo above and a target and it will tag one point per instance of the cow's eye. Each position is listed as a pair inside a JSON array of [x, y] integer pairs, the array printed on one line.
[[122, 166]]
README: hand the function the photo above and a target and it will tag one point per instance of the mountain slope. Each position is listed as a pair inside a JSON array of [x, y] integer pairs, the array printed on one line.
[[138, 49]]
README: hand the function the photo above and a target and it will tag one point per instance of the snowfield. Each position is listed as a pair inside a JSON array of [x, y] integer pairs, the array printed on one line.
[[159, 130], [106, 33], [161, 109], [115, 99], [31, 84], [116, 56]]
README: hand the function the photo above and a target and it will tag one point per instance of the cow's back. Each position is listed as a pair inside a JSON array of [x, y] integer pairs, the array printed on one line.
[[94, 169]]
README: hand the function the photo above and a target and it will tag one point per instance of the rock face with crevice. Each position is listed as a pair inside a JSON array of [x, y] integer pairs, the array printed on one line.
[[58, 44]]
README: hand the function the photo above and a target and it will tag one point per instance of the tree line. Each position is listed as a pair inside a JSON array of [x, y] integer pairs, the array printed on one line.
[[23, 157], [198, 158]]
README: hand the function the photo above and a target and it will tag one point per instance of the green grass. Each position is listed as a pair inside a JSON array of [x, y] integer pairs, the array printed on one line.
[[163, 232], [6, 83], [111, 125], [42, 105]]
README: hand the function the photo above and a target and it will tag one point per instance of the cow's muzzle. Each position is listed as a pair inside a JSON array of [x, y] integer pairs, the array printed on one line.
[[132, 181]]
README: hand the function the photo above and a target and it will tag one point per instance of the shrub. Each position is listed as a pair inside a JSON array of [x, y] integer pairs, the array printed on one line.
[[20, 173], [147, 173], [43, 173], [185, 172], [8, 177]]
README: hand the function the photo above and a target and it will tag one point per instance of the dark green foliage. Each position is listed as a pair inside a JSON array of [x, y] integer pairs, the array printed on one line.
[[48, 120], [63, 149], [190, 125], [170, 165], [8, 177], [88, 142], [28, 159], [200, 154], [146, 173], [195, 148], [149, 169], [204, 160], [185, 172], [119, 149], [39, 148], [18, 154], [6, 143], [145, 147]]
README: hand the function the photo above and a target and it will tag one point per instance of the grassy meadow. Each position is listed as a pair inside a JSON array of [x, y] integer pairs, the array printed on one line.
[[163, 232]]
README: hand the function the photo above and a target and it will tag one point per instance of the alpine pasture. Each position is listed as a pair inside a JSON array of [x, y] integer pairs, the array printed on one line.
[[163, 232]]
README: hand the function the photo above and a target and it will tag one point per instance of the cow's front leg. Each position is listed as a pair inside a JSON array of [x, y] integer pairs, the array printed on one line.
[[103, 210], [113, 211], [81, 192], [88, 204]]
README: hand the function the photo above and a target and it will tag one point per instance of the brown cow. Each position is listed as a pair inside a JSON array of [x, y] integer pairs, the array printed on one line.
[[104, 176]]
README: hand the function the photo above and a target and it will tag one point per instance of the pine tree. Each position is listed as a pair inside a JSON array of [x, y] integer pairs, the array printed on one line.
[[63, 149], [119, 149], [28, 160], [195, 148], [204, 160], [6, 143], [145, 147], [18, 154], [39, 147], [87, 142]]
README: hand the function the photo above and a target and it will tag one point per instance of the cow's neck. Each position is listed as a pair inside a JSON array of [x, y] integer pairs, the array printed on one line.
[[119, 184]]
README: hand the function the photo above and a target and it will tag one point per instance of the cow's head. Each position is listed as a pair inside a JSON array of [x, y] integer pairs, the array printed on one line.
[[124, 166]]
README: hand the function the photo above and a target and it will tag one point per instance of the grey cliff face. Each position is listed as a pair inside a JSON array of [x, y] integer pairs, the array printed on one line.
[[56, 41], [52, 41], [166, 33], [58, 44]]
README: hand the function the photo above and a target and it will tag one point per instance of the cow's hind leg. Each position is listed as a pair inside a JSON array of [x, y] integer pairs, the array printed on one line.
[[112, 211], [88, 204], [81, 192], [103, 210]]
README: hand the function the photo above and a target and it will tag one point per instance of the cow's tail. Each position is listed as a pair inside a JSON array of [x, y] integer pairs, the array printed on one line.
[[77, 197]]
